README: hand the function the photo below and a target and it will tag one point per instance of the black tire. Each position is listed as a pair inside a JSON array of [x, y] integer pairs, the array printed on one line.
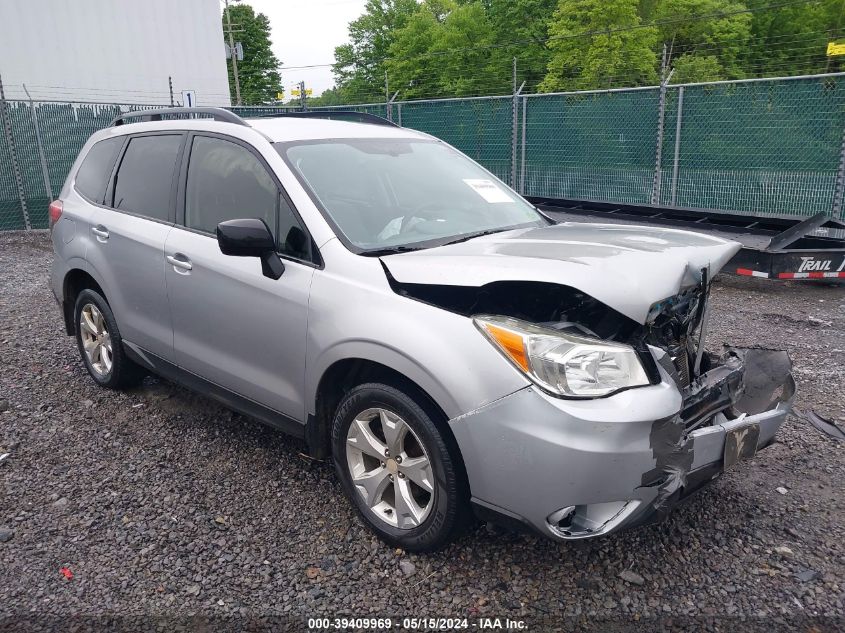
[[450, 510], [123, 372]]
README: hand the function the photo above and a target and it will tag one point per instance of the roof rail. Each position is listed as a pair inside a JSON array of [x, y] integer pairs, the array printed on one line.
[[218, 114], [339, 115]]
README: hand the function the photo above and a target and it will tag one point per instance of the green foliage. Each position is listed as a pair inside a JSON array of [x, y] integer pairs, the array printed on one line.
[[793, 39], [329, 97], [359, 65], [600, 44], [707, 48], [259, 70], [445, 49], [521, 26], [692, 68], [433, 48]]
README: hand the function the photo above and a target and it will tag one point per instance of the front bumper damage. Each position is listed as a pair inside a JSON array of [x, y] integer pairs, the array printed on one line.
[[573, 469]]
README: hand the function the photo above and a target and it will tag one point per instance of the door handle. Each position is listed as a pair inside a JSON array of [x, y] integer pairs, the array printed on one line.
[[180, 261], [101, 232]]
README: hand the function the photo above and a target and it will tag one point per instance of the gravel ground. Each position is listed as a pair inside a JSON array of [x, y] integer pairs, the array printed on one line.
[[158, 501]]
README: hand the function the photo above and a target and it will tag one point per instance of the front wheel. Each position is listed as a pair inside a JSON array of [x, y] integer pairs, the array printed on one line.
[[397, 469]]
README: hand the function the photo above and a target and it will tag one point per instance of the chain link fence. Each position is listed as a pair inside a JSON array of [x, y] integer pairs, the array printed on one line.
[[755, 146]]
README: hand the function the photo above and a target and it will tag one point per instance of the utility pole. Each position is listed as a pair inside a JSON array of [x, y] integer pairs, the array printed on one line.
[[234, 55]]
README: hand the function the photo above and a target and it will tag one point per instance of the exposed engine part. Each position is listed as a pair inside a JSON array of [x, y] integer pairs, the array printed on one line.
[[551, 305]]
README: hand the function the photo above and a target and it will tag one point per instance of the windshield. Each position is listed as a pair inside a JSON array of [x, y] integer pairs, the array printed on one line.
[[395, 193]]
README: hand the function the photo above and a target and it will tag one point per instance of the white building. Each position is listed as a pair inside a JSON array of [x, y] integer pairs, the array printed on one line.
[[113, 51]]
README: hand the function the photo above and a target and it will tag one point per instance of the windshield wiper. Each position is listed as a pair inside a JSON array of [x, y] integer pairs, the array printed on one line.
[[391, 250], [470, 236]]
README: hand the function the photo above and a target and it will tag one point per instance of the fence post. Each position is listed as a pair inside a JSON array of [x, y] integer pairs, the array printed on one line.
[[839, 191], [661, 117], [44, 171], [522, 163], [390, 106], [399, 114], [7, 128], [675, 161], [515, 133]]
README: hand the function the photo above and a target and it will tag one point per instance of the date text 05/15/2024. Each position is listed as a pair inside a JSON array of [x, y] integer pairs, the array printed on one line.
[[417, 624]]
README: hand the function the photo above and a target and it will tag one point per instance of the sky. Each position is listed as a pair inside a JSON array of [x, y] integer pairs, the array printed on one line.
[[305, 32]]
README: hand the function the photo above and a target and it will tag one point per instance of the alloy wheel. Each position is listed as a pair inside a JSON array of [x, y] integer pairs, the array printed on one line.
[[96, 341], [390, 468]]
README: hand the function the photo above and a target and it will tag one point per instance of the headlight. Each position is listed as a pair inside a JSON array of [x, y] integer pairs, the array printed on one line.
[[563, 363]]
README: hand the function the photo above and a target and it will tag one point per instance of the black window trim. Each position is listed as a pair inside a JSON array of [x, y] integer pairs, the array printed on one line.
[[179, 223], [108, 202], [101, 203]]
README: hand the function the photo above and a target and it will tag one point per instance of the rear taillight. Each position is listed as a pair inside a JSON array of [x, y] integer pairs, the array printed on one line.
[[55, 212]]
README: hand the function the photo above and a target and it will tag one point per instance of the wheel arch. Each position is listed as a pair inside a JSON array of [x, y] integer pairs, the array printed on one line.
[[347, 373], [76, 280]]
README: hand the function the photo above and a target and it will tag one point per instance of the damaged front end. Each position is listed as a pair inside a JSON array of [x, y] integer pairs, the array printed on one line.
[[627, 456], [729, 412], [733, 403]]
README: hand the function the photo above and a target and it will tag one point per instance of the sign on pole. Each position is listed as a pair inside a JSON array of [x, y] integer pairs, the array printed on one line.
[[189, 98], [835, 48]]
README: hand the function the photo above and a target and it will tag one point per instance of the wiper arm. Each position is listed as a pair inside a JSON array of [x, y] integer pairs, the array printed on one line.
[[470, 236], [391, 250]]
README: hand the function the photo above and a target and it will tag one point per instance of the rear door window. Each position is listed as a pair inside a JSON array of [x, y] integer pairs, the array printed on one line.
[[146, 174], [95, 171]]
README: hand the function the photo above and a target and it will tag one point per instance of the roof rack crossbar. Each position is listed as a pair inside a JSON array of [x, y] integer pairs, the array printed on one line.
[[218, 114]]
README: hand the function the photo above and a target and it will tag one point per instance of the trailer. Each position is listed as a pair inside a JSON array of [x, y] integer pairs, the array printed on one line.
[[773, 246]]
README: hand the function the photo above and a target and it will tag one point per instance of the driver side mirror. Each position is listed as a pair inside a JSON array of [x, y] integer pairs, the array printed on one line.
[[251, 237]]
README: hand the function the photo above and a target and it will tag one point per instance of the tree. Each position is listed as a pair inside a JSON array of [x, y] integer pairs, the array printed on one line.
[[463, 50], [599, 44], [258, 72], [447, 48], [704, 48], [522, 26], [793, 39], [410, 67], [359, 65]]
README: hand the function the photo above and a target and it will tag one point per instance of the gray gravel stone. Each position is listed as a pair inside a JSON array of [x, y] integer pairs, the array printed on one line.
[[407, 567], [6, 535], [632, 577]]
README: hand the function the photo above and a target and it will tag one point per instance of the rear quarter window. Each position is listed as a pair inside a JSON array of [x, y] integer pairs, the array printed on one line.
[[94, 173]]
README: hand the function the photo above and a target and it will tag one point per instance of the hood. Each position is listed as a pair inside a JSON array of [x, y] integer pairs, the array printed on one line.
[[628, 268]]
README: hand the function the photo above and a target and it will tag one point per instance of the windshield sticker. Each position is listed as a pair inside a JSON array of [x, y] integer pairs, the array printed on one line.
[[488, 190]]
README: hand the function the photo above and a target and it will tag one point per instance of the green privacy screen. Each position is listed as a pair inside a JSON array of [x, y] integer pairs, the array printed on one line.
[[759, 147]]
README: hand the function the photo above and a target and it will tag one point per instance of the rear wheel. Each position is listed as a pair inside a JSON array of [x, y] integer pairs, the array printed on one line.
[[100, 344], [396, 468]]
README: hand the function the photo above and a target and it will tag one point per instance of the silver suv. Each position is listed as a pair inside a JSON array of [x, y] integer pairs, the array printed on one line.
[[378, 294]]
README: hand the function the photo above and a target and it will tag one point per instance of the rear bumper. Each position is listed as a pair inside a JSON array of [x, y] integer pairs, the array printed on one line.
[[572, 469]]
